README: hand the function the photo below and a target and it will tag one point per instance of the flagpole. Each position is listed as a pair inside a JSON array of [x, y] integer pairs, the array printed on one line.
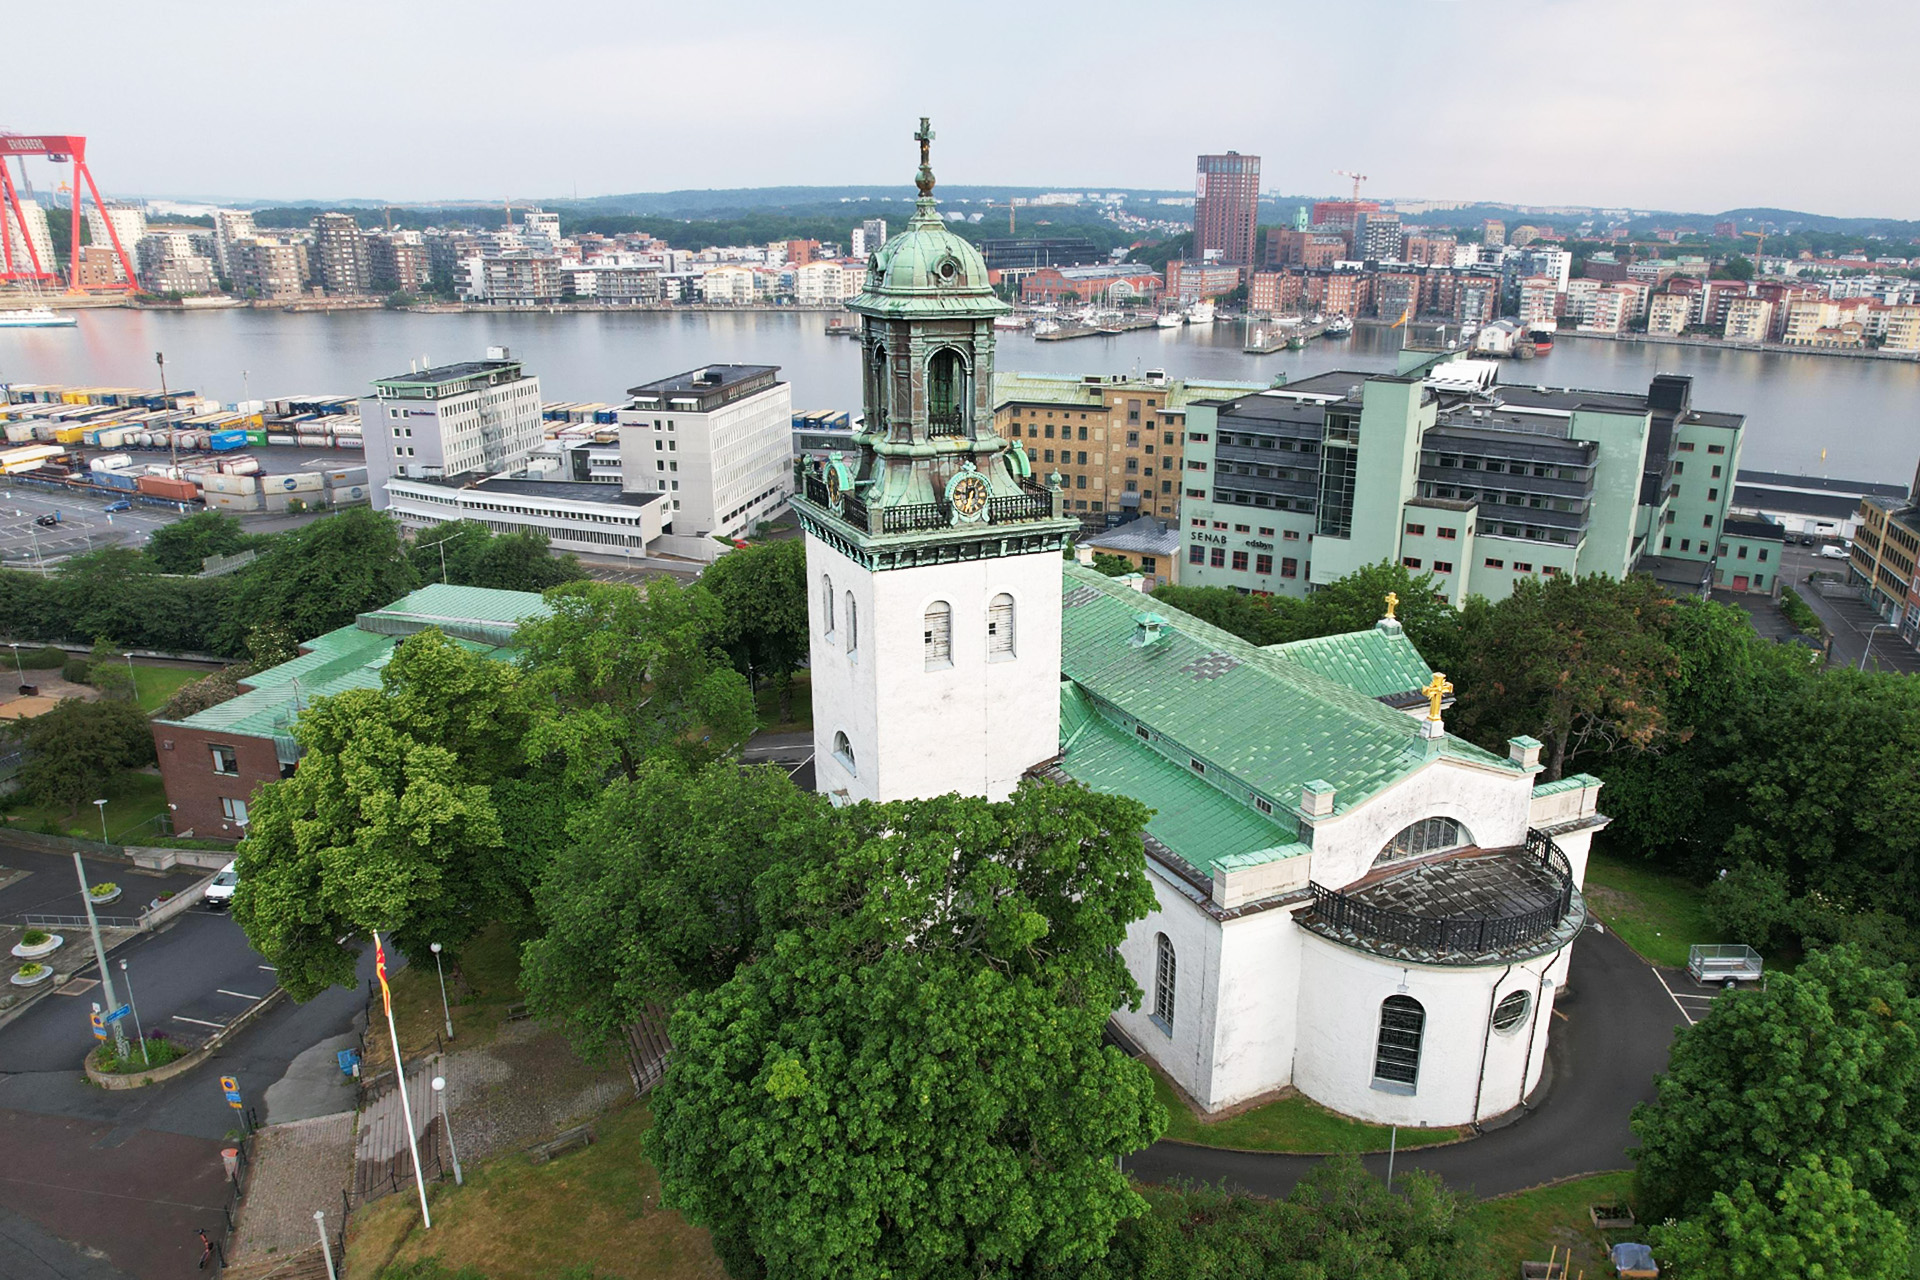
[[406, 1106]]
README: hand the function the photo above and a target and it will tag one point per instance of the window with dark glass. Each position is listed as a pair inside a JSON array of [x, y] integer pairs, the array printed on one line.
[[1396, 1053]]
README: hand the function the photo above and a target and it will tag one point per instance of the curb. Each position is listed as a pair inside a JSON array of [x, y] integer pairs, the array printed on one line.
[[180, 1066]]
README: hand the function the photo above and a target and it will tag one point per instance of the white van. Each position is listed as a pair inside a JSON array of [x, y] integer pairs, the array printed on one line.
[[219, 895]]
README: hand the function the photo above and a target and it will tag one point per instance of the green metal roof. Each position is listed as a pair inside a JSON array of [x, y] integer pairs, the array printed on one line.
[[1380, 662], [351, 657], [927, 271], [1262, 724]]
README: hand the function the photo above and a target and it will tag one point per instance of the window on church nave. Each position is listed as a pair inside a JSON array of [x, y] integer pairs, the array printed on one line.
[[1429, 835], [1000, 627], [938, 641], [853, 625], [1396, 1055], [1164, 970], [843, 752], [826, 605]]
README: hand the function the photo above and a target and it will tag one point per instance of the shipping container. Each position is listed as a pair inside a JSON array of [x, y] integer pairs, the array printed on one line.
[[241, 466], [311, 440], [234, 501], [110, 462], [221, 482], [125, 480], [170, 489], [344, 475], [221, 441], [256, 438], [298, 482]]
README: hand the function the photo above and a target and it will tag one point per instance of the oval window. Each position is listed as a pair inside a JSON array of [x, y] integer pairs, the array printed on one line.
[[1511, 1013]]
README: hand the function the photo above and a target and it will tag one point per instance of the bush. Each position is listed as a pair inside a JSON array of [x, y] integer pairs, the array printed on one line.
[[31, 970], [35, 937], [1798, 613], [47, 659], [104, 889], [76, 671], [160, 1051], [1749, 904]]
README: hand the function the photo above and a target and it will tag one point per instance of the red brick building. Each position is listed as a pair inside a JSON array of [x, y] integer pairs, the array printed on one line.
[[1226, 208]]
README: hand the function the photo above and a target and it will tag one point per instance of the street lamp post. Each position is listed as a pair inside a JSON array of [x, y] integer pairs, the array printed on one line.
[[440, 1092], [1866, 652], [99, 951], [138, 1033], [326, 1248], [101, 805], [17, 668], [132, 677], [446, 1010]]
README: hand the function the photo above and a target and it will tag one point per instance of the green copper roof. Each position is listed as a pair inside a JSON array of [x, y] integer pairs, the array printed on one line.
[[351, 657], [1380, 662], [1261, 724], [927, 270]]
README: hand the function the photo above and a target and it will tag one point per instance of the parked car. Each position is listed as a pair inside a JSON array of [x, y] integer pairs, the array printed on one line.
[[122, 505], [219, 895], [1806, 539], [1833, 551], [48, 520]]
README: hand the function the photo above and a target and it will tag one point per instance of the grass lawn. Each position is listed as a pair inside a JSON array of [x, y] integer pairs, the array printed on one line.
[[1291, 1124], [596, 1209], [766, 702], [156, 684], [1658, 915], [132, 805], [1525, 1227], [482, 981]]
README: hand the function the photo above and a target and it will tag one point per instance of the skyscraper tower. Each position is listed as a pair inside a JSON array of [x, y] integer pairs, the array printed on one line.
[[933, 554], [1226, 208]]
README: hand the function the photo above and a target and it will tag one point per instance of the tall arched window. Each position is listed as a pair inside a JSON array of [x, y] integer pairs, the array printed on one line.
[[1000, 627], [843, 752], [946, 393], [880, 396], [1396, 1055], [1165, 968], [1429, 835], [826, 606], [853, 625], [938, 639]]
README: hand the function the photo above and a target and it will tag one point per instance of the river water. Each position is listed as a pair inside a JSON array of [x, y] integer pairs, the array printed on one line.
[[1864, 413]]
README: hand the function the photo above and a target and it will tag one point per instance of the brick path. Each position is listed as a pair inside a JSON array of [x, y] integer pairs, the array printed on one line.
[[297, 1167]]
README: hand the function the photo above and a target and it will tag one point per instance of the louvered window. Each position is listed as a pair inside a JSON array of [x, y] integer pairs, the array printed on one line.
[[938, 641], [1165, 968], [1396, 1055], [1000, 627], [826, 604], [853, 625]]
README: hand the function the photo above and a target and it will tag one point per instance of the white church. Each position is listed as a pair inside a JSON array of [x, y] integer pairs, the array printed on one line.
[[1351, 901]]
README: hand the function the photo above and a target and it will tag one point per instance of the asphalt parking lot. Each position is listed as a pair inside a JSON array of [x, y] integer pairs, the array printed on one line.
[[85, 524]]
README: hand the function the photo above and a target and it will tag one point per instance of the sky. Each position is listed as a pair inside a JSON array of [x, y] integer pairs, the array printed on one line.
[[1695, 105]]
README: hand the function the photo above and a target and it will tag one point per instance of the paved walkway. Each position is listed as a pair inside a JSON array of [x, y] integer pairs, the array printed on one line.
[[523, 1087], [1614, 1024], [297, 1168]]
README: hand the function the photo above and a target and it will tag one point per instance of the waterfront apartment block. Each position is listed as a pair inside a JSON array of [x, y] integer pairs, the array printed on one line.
[[339, 255], [1449, 472], [1115, 440], [1226, 208], [474, 418], [716, 445]]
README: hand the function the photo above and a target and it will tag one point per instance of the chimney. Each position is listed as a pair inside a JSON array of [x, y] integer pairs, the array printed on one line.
[[1147, 629]]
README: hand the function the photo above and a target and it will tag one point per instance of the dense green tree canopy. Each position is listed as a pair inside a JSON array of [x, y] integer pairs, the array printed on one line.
[[911, 1081], [1818, 1224], [321, 576], [79, 749], [183, 545], [466, 553], [656, 895], [1824, 1062], [762, 591], [634, 674]]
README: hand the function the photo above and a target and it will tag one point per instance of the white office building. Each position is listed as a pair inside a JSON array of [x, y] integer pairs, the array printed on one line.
[[475, 418], [716, 443]]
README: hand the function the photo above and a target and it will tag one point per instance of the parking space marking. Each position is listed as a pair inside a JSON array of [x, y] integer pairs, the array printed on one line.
[[269, 968], [241, 994], [1676, 999], [199, 1022]]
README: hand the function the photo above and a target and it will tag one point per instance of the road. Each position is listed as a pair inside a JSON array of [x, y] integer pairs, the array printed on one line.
[[1852, 623], [85, 524], [1617, 1020]]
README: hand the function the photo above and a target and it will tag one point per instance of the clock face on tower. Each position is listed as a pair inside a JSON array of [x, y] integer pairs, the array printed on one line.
[[968, 494]]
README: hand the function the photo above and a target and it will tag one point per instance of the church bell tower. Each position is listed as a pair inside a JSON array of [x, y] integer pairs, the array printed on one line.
[[933, 552]]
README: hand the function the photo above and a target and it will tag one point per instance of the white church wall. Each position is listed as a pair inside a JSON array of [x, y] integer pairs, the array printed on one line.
[[1492, 805], [1341, 992], [844, 696], [1255, 1044], [1186, 1051]]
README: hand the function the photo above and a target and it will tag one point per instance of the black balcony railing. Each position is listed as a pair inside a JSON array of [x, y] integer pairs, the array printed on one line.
[[1467, 935], [921, 515], [816, 488], [947, 422], [1026, 506], [854, 511]]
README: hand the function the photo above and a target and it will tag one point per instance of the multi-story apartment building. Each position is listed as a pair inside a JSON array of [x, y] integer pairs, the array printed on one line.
[[473, 418], [1903, 328], [19, 253], [1430, 249], [1339, 215], [518, 278], [1449, 472], [1539, 300], [1493, 233], [1377, 237], [397, 260], [1114, 440], [1884, 563], [1305, 248], [1669, 313], [230, 227], [1192, 280], [1749, 319], [129, 224], [170, 262], [269, 266], [714, 443], [338, 257], [1226, 208]]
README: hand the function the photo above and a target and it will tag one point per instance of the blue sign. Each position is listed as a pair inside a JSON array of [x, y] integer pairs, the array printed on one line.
[[116, 1015], [231, 1087]]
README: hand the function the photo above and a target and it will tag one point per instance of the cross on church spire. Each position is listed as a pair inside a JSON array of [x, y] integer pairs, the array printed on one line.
[[1393, 600], [1436, 689], [924, 179]]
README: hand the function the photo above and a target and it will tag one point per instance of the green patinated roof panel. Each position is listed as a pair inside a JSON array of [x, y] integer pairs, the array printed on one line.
[[1378, 662]]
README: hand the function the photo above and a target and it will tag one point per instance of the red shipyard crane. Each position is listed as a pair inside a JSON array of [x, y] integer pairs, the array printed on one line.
[[60, 149]]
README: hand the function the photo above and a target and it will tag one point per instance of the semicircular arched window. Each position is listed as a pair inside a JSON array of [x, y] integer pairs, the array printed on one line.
[[1418, 839], [947, 392], [1396, 1054], [843, 752]]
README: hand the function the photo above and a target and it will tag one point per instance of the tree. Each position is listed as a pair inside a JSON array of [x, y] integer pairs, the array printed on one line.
[[183, 545], [78, 750], [635, 674], [107, 671], [762, 592], [1749, 904], [655, 897], [320, 577], [1111, 565], [1825, 1062], [1817, 1224], [1577, 662], [1357, 601], [910, 1080], [389, 822], [1258, 620], [467, 553]]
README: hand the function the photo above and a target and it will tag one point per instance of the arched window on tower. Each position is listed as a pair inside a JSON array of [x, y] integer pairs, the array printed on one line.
[[1000, 627], [853, 625], [1396, 1054], [826, 606], [947, 393], [879, 396], [843, 752], [1165, 969], [938, 641], [1418, 839]]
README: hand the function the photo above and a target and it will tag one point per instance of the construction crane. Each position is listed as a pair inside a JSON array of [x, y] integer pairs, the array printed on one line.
[[995, 204], [1358, 178], [1759, 250]]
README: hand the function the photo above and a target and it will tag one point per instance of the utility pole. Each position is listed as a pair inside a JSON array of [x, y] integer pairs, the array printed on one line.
[[173, 434], [99, 951]]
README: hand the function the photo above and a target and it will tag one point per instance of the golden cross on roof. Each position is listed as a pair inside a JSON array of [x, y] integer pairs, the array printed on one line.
[[924, 136], [1437, 688], [1393, 601]]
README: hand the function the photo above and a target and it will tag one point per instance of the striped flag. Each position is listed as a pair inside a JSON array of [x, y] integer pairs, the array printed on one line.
[[1404, 317], [380, 967]]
